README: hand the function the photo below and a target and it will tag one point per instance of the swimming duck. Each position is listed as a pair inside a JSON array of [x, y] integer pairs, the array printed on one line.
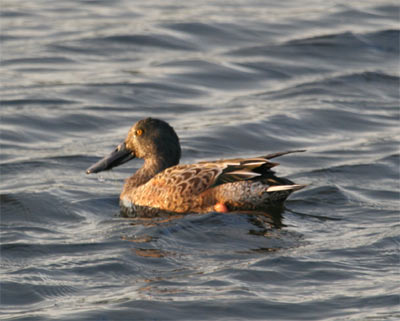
[[161, 184]]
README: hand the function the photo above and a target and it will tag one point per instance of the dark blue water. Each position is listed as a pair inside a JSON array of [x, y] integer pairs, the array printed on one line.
[[235, 79]]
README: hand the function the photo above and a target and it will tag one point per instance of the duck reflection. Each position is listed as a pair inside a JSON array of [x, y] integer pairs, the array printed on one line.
[[264, 223], [271, 216]]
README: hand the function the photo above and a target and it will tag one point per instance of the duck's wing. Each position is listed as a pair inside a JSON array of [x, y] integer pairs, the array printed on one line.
[[196, 178], [238, 169]]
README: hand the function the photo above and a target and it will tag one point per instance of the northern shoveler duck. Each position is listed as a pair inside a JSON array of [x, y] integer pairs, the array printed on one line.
[[240, 184]]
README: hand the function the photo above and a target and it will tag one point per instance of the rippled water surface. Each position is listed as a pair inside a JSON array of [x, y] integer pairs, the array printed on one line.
[[234, 79]]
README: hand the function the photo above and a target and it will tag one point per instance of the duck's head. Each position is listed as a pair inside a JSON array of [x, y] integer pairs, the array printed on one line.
[[152, 139]]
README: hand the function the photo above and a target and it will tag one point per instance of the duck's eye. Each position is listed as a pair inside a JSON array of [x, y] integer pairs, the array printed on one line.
[[139, 132]]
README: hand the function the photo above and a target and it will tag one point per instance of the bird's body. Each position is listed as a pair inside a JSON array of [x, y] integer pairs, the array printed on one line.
[[163, 185]]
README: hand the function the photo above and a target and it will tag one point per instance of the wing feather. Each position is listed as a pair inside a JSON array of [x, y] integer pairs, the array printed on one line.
[[196, 178]]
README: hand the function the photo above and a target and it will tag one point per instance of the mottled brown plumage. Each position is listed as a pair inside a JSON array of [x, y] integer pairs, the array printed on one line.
[[162, 184]]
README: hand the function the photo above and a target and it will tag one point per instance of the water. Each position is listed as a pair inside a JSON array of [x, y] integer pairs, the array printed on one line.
[[234, 79]]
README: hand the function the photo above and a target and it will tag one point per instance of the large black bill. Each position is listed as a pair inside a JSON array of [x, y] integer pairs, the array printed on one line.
[[118, 157]]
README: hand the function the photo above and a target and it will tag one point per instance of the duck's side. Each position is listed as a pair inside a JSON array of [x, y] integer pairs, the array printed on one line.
[[232, 197], [236, 184]]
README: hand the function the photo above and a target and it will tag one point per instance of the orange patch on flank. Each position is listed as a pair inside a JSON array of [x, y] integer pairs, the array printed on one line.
[[220, 208]]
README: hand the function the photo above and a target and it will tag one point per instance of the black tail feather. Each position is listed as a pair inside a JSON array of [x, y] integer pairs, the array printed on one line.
[[269, 156]]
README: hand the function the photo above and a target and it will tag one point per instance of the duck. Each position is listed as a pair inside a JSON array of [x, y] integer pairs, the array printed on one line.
[[162, 184]]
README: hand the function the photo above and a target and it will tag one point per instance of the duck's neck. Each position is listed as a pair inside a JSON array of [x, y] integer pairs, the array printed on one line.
[[150, 168]]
